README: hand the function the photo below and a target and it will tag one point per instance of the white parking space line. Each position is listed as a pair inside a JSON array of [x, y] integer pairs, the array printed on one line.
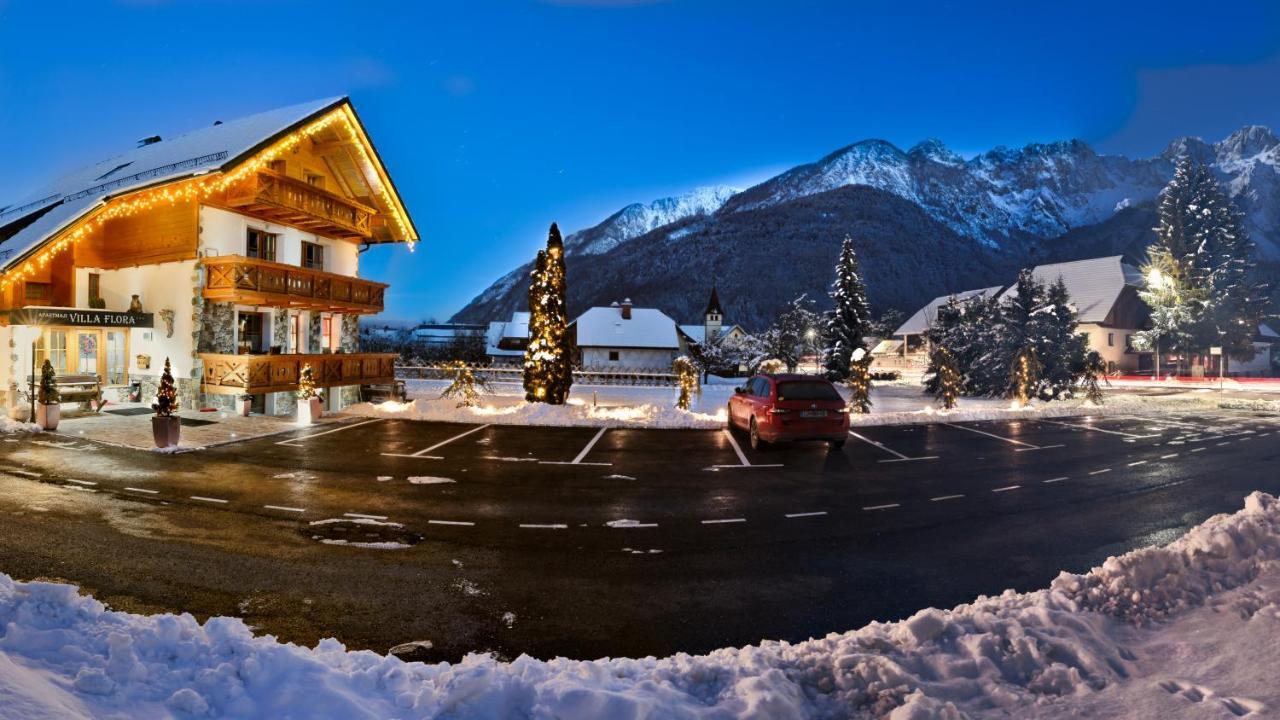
[[1168, 456], [282, 508], [1011, 441], [423, 452], [1099, 472], [898, 457], [1161, 421], [1224, 442], [724, 521], [291, 441], [363, 516], [1095, 429], [460, 523], [882, 507], [1006, 488], [143, 490], [1054, 480], [545, 526], [17, 471], [806, 514], [1136, 463], [742, 467], [587, 449], [88, 483], [742, 458], [940, 498], [1199, 450], [201, 498]]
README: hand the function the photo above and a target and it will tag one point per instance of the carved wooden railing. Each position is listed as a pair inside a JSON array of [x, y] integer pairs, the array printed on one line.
[[233, 278], [295, 202], [253, 374]]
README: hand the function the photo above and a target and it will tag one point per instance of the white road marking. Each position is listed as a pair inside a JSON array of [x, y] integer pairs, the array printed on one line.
[[290, 441], [546, 526], [997, 437], [365, 517], [1041, 447], [742, 458], [208, 499], [587, 449], [423, 452], [1054, 480], [18, 471], [745, 467], [1006, 488], [1224, 442], [570, 462], [881, 507], [461, 523], [806, 514], [415, 456], [1099, 472], [143, 490], [629, 524], [282, 508], [891, 451], [89, 483], [1199, 450], [1170, 455], [723, 521], [1096, 429], [940, 498], [1136, 463], [77, 487]]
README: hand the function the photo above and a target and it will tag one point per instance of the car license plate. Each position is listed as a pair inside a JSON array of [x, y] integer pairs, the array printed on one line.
[[813, 413]]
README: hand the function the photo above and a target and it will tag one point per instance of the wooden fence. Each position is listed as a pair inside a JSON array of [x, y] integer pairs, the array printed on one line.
[[583, 376]]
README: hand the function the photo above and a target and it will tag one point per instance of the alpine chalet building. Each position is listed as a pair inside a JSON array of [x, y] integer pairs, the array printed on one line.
[[233, 251]]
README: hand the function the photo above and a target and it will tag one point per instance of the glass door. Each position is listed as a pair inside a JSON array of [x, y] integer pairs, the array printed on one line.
[[88, 345], [117, 365]]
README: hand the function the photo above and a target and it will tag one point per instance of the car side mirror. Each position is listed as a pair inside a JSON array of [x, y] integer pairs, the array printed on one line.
[[740, 390]]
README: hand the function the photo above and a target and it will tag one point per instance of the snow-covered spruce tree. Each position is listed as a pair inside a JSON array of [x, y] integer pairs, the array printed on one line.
[[548, 364], [850, 320], [1011, 334], [965, 328], [884, 326], [793, 335], [1053, 331]]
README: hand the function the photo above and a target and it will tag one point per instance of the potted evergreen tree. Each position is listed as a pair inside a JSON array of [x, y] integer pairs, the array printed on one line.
[[244, 404], [309, 409], [165, 426], [48, 411]]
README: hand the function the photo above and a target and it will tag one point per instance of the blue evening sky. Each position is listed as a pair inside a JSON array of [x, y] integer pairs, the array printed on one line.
[[496, 118]]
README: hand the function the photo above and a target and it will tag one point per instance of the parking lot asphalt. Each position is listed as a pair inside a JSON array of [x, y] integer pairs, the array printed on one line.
[[608, 541]]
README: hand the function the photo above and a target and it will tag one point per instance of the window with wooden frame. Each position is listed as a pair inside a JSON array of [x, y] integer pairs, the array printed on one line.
[[95, 286], [276, 166], [314, 179], [37, 292], [312, 255], [260, 244]]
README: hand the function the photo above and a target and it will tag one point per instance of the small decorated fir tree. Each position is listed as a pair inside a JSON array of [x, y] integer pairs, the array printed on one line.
[[686, 379], [167, 395], [47, 393], [1024, 376], [466, 385], [548, 364], [307, 383], [945, 383], [859, 381]]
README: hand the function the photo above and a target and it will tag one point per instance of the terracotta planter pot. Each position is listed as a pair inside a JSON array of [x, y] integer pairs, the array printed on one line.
[[167, 431], [47, 416], [317, 410], [309, 411], [243, 406]]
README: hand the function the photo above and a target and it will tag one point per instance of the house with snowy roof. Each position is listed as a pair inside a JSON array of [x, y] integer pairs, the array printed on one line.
[[505, 341], [712, 326], [910, 343], [1104, 292], [624, 336], [231, 251]]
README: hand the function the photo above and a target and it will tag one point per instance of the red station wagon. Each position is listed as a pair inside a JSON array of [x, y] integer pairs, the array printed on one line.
[[776, 408]]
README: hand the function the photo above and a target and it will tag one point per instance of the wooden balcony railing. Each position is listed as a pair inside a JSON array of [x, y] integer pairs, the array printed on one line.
[[277, 197], [253, 374], [249, 281]]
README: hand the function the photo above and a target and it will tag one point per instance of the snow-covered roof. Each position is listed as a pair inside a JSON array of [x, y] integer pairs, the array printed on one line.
[[74, 195], [444, 333], [647, 328], [698, 333], [1094, 285], [517, 328], [923, 319]]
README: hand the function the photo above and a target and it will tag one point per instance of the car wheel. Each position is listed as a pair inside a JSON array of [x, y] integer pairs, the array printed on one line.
[[757, 443]]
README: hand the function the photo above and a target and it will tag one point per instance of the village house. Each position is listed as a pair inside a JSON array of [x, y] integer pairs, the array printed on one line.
[[624, 336], [712, 326], [505, 341], [909, 347], [232, 251]]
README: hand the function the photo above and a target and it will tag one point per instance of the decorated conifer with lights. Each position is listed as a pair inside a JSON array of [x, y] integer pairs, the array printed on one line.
[[850, 320], [686, 379], [945, 376], [1024, 375], [466, 385], [859, 381], [166, 394], [307, 383], [548, 364], [47, 392]]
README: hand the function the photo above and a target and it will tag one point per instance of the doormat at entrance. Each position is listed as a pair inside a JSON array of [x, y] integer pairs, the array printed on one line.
[[130, 411], [192, 422]]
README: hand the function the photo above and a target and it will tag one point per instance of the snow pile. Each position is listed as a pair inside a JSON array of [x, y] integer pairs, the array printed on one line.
[[9, 426], [1014, 655], [890, 407]]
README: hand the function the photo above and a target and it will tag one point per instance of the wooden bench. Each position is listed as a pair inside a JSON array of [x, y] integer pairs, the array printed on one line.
[[384, 391], [85, 388]]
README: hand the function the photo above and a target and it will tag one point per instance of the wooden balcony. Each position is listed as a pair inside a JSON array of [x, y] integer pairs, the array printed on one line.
[[249, 281], [289, 201], [253, 374]]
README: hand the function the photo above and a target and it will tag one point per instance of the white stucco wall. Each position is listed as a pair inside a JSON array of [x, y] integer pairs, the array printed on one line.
[[642, 358], [1115, 351], [223, 233]]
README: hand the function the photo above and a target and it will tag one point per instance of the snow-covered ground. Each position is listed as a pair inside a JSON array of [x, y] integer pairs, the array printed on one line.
[[654, 407], [1187, 630]]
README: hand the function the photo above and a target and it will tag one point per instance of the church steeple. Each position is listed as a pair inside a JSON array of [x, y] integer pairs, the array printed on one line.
[[713, 316], [713, 305]]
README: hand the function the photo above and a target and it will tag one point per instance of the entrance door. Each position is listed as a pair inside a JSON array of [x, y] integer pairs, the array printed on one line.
[[88, 348], [116, 360]]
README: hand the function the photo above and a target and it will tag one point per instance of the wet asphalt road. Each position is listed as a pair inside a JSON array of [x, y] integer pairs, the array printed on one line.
[[585, 543]]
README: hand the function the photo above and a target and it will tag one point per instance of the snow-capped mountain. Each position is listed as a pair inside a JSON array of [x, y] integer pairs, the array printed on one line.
[[637, 219], [1011, 206]]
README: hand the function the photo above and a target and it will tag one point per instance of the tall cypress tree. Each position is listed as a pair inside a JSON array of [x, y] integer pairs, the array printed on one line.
[[850, 320], [548, 362]]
